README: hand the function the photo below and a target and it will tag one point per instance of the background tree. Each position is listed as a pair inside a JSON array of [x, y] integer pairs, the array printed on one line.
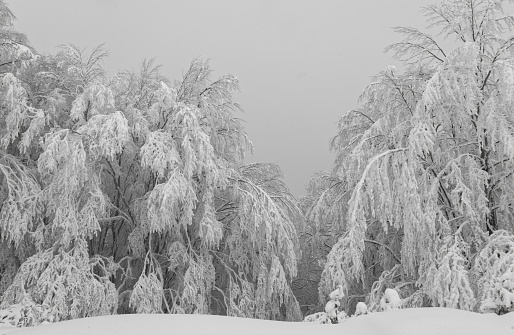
[[423, 170]]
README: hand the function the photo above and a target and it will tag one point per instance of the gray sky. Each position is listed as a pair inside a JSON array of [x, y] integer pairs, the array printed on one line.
[[301, 63]]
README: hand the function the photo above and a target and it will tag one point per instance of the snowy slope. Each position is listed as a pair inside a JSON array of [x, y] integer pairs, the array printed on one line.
[[419, 321]]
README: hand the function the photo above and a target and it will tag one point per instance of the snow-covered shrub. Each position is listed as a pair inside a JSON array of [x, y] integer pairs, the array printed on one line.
[[11, 316], [385, 290], [332, 313], [25, 313], [147, 295], [361, 309], [320, 317], [390, 300], [74, 285], [494, 268], [331, 308]]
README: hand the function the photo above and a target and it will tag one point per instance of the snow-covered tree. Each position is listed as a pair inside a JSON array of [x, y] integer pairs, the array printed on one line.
[[424, 168], [129, 194]]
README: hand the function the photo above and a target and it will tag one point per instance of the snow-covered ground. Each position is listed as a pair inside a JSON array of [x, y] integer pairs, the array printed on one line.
[[418, 321]]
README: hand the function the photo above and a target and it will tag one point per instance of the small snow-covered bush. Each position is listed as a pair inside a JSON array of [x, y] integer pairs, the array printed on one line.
[[332, 313], [374, 299], [74, 285], [24, 314], [320, 317], [390, 300], [331, 308], [11, 316], [494, 268], [361, 309]]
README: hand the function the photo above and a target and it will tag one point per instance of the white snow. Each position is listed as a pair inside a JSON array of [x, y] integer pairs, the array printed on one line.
[[419, 321]]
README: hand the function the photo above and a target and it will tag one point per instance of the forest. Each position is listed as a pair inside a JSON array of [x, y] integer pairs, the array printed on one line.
[[131, 193]]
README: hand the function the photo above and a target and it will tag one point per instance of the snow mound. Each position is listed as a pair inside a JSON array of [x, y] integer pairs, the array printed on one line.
[[419, 321]]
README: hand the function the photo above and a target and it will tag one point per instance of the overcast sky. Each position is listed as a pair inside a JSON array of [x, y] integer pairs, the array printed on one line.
[[301, 63]]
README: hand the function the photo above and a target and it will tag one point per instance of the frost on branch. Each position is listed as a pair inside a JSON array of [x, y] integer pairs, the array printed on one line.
[[17, 117], [72, 190], [448, 283], [198, 282], [63, 285], [494, 269], [20, 200], [96, 99], [14, 50], [81, 70], [279, 293], [335, 271], [266, 224], [106, 135], [160, 153], [147, 294]]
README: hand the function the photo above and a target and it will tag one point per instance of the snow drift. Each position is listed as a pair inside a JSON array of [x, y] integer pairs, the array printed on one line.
[[420, 321]]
